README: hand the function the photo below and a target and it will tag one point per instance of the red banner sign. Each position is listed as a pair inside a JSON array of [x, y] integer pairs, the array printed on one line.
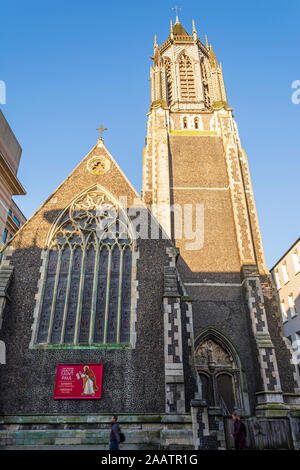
[[78, 381]]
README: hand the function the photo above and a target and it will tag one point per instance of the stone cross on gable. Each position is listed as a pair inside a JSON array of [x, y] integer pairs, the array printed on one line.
[[101, 129]]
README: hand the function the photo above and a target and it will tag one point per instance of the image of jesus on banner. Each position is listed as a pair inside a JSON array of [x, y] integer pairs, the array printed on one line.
[[89, 381]]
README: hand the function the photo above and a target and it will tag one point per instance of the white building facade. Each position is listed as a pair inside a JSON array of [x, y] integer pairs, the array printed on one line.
[[286, 274]]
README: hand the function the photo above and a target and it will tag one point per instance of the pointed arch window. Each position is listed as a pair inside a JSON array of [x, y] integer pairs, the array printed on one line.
[[219, 372], [205, 84], [169, 80], [196, 123], [87, 291], [187, 79]]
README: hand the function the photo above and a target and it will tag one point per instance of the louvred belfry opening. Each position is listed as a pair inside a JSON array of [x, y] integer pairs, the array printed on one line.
[[169, 80], [187, 81]]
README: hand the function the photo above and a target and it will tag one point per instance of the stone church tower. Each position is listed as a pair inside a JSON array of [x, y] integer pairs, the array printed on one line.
[[196, 182], [168, 292]]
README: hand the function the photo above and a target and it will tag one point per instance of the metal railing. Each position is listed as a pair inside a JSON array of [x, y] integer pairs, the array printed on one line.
[[224, 409]]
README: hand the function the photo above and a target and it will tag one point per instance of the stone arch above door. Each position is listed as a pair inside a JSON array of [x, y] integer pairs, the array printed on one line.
[[216, 359]]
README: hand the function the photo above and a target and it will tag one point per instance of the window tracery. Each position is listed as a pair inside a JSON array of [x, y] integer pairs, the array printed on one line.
[[88, 282]]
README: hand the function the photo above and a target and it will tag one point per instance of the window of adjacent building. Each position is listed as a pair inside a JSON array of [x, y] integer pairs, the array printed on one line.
[[277, 280], [185, 123], [87, 290], [296, 262], [17, 221], [292, 305], [283, 311], [196, 123], [187, 80], [4, 237], [284, 272], [296, 346]]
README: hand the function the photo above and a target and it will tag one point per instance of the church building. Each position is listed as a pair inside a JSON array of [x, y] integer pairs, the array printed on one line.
[[158, 308]]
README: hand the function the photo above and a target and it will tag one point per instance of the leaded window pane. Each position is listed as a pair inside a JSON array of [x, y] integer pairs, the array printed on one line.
[[73, 296], [113, 295], [48, 297], [60, 295], [101, 296], [87, 296], [126, 296]]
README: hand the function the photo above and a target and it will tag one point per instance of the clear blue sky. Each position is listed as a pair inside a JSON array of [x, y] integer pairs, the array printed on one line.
[[72, 65]]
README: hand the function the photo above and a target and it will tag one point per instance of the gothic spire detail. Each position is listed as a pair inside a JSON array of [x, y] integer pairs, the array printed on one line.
[[206, 42], [171, 30], [194, 30], [212, 58], [157, 55]]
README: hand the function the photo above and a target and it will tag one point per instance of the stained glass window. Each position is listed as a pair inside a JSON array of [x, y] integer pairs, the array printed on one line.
[[88, 283]]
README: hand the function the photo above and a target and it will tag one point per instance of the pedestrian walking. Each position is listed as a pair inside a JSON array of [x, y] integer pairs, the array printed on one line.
[[114, 439], [239, 432]]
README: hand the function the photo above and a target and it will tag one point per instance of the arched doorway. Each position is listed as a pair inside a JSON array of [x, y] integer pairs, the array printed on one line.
[[219, 371]]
